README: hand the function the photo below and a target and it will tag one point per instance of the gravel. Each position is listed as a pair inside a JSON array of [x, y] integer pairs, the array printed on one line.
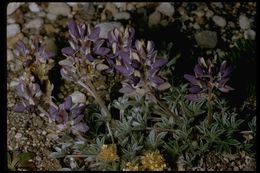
[[244, 22], [12, 30]]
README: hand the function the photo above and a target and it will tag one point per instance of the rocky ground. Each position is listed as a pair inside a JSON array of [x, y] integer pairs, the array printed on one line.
[[207, 25]]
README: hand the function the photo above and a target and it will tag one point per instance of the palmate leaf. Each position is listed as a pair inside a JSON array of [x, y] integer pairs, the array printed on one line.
[[154, 140]]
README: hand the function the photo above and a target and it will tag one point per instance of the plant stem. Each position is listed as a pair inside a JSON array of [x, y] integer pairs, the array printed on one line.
[[210, 115], [90, 88]]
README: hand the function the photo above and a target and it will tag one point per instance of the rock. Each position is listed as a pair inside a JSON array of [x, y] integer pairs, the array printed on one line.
[[219, 21], [34, 7], [10, 20], [50, 45], [216, 4], [166, 8], [35, 23], [111, 7], [206, 39], [154, 18], [120, 5], [209, 13], [10, 55], [87, 11], [12, 30], [105, 27], [51, 16], [244, 22], [249, 34], [130, 7], [11, 7], [78, 97], [18, 135], [59, 9], [122, 15]]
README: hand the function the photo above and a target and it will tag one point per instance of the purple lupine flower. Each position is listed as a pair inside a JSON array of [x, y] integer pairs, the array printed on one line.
[[21, 48], [29, 93], [208, 74], [68, 116]]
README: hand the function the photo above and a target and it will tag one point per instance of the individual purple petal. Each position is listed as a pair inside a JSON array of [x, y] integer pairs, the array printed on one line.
[[198, 70], [226, 89], [150, 46], [46, 55], [77, 119], [53, 112], [67, 74], [20, 47], [77, 109], [159, 62], [102, 51], [126, 89], [82, 127], [192, 79], [68, 51], [194, 89], [82, 29], [90, 58], [94, 35], [20, 107], [125, 56], [123, 70], [131, 32], [20, 89], [156, 79], [73, 29], [67, 103]]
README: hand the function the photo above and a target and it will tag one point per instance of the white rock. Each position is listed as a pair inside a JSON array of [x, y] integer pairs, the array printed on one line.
[[122, 15], [120, 5], [11, 7], [72, 4], [18, 135], [244, 22], [154, 18], [12, 30], [111, 7], [59, 8], [34, 7], [166, 8], [10, 55], [35, 23], [10, 20], [78, 97], [219, 21], [249, 34], [51, 16], [105, 27]]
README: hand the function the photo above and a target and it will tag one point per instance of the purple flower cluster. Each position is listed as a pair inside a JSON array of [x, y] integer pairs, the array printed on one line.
[[68, 115], [208, 75], [37, 51], [29, 93], [135, 60]]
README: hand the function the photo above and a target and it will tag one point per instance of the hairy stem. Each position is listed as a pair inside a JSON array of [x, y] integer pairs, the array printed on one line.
[[90, 88]]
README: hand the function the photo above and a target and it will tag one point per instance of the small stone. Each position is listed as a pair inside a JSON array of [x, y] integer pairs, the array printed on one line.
[[111, 7], [244, 22], [216, 4], [105, 27], [38, 158], [34, 7], [78, 97], [18, 135], [12, 30], [10, 20], [10, 55], [219, 21], [122, 15], [250, 34], [44, 133], [206, 39], [120, 5], [196, 26], [166, 8], [35, 23], [51, 16], [154, 18], [11, 7], [59, 9], [130, 7], [209, 13]]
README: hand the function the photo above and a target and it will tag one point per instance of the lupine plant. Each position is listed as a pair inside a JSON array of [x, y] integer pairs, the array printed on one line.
[[156, 120]]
